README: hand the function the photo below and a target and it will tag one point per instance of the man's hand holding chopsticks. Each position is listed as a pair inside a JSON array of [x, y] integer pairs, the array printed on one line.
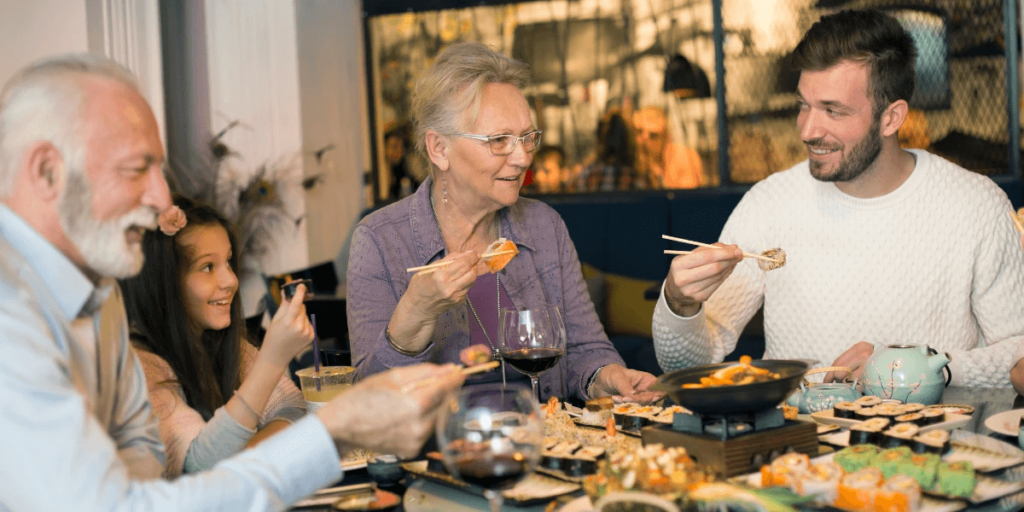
[[693, 277]]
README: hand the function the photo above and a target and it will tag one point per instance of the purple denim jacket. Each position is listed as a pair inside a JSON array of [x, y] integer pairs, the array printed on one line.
[[547, 269]]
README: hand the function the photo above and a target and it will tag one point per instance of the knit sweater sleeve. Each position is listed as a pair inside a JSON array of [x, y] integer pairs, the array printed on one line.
[[711, 334], [997, 302], [192, 443], [285, 402]]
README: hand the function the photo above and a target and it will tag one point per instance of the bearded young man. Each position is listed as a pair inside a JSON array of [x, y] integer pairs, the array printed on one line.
[[884, 245], [81, 180]]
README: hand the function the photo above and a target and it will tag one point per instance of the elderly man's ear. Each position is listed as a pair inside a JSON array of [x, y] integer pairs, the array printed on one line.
[[43, 170]]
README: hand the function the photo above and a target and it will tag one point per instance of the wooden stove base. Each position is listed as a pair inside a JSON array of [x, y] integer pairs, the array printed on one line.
[[742, 454]]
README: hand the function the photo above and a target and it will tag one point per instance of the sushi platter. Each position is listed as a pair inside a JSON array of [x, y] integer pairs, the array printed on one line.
[[533, 490], [949, 422]]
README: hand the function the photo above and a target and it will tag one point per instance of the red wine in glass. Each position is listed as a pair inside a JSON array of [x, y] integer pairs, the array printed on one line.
[[532, 340], [533, 361]]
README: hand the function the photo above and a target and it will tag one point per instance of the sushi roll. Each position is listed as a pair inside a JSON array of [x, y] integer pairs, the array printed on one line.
[[575, 465], [845, 410], [638, 417], [622, 410], [890, 461], [898, 435], [862, 433], [666, 416], [936, 441], [955, 479], [890, 411], [933, 416], [915, 417], [865, 413], [900, 493], [821, 481], [912, 408], [857, 490], [787, 469], [857, 457], [868, 401], [550, 442], [923, 468], [592, 452], [879, 423]]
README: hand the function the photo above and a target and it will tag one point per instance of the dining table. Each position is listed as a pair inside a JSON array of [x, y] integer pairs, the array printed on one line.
[[423, 496]]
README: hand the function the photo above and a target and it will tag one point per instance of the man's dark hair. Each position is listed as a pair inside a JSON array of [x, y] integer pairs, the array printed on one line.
[[867, 36], [207, 366]]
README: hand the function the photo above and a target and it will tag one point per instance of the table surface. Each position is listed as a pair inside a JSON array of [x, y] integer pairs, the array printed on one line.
[[986, 402]]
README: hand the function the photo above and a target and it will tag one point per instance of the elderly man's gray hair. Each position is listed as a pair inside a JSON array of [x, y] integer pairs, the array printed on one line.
[[45, 102]]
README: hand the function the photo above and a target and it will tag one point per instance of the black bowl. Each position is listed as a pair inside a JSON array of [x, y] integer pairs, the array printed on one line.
[[731, 399]]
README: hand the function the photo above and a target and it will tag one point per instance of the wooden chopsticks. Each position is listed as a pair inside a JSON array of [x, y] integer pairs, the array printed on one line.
[[699, 244], [470, 370], [1016, 222], [426, 269]]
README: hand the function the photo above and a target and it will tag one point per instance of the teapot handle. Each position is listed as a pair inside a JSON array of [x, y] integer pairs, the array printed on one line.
[[949, 373], [830, 369]]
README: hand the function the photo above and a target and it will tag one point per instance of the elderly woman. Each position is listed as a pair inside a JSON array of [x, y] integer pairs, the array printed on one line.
[[474, 126]]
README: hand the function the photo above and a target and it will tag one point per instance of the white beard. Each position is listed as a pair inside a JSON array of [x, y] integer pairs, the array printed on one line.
[[102, 244]]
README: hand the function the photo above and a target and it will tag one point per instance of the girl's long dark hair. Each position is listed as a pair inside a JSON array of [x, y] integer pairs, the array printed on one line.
[[207, 366]]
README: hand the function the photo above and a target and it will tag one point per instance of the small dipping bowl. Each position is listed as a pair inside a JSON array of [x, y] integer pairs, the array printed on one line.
[[385, 469]]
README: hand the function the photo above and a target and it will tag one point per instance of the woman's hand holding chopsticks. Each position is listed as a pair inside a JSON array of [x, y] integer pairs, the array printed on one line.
[[428, 295]]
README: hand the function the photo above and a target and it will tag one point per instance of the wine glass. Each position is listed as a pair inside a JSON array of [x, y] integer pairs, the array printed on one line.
[[532, 340], [491, 436]]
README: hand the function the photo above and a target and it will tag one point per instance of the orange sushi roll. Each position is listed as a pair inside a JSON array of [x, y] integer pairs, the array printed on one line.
[[901, 493], [496, 263], [857, 490]]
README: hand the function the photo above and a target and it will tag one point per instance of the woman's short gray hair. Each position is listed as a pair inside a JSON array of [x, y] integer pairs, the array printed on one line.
[[46, 101], [449, 94]]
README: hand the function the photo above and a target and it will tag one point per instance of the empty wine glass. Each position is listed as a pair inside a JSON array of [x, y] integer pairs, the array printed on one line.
[[532, 340], [491, 436]]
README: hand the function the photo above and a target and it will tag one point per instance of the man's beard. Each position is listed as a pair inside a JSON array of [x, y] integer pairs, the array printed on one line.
[[102, 244], [853, 165]]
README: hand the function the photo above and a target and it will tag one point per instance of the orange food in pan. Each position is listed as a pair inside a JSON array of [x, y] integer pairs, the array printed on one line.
[[743, 373]]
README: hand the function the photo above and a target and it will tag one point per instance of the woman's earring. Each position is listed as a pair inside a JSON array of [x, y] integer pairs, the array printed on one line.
[[444, 189]]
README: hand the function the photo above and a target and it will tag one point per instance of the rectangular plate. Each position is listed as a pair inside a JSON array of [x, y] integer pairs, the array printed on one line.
[[534, 489], [952, 421]]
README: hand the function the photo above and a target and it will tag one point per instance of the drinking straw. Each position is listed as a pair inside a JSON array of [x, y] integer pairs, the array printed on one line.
[[316, 352]]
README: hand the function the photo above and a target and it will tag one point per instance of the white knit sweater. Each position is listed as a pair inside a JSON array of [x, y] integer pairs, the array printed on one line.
[[936, 262]]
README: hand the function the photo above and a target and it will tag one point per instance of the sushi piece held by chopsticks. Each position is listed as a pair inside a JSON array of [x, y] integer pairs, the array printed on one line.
[[487, 257], [499, 253], [1017, 223], [745, 255]]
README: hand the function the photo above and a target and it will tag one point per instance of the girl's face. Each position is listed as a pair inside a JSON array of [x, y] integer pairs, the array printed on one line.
[[209, 281]]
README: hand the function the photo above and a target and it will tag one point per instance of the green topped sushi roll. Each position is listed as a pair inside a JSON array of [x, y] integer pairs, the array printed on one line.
[[955, 479], [890, 461], [854, 458], [922, 467]]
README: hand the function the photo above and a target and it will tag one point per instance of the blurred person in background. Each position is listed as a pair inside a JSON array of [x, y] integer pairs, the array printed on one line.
[[667, 164]]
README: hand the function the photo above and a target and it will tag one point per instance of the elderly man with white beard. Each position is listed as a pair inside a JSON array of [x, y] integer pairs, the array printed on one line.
[[81, 181]]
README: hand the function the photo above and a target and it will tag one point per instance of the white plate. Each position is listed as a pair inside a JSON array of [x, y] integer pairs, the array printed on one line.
[[1005, 423], [952, 421]]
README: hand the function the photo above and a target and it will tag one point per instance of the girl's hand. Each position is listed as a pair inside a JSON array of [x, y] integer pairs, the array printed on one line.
[[289, 331], [433, 293]]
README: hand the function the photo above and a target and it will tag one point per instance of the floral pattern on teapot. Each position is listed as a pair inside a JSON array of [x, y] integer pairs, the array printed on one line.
[[822, 396], [906, 373]]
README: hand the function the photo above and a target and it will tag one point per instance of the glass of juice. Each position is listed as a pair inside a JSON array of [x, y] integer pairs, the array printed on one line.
[[333, 380]]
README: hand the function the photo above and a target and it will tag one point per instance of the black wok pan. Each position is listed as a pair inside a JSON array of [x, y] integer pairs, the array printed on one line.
[[731, 399]]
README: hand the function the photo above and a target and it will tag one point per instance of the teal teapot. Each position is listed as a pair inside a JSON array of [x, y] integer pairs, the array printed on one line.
[[908, 373], [822, 395]]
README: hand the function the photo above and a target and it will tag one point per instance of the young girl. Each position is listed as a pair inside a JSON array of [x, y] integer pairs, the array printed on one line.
[[213, 392]]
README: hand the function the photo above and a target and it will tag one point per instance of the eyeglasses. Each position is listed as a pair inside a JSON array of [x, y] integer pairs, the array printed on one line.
[[502, 145]]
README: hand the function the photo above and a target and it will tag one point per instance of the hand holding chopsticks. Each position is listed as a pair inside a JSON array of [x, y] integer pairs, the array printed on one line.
[[467, 371], [1017, 222], [699, 244], [426, 269]]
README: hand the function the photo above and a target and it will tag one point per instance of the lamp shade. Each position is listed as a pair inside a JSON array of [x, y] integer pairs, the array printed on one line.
[[686, 79]]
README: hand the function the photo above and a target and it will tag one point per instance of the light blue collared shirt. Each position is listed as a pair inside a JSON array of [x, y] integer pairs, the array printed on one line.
[[76, 428]]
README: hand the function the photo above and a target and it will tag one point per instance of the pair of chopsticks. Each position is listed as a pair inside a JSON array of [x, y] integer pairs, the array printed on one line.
[[426, 269], [699, 244], [471, 370], [1016, 222]]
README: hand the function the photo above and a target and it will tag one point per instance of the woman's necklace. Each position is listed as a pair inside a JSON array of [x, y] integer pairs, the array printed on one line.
[[496, 354]]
